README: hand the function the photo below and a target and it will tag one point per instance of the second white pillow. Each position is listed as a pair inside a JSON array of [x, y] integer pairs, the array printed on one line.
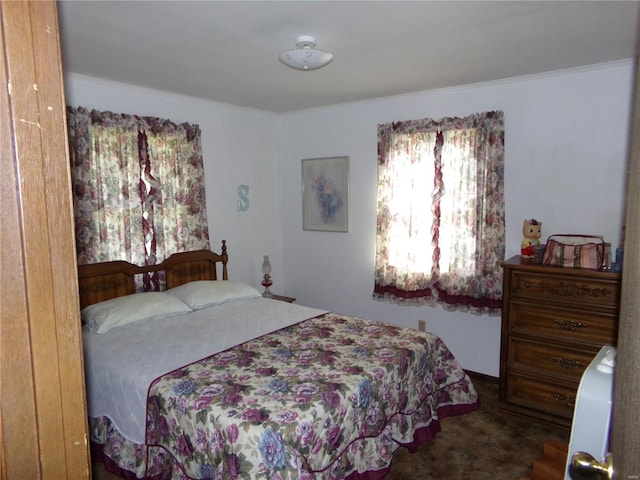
[[206, 293]]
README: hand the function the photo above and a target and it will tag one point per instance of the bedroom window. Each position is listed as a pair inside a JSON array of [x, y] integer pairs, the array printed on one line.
[[440, 228], [138, 187]]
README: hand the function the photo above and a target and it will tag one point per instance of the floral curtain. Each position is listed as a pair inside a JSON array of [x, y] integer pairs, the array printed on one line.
[[138, 187], [440, 230]]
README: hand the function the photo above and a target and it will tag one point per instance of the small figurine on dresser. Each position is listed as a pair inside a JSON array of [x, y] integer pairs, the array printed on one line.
[[531, 231]]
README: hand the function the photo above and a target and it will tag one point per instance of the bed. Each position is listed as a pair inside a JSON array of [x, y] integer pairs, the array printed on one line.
[[206, 379]]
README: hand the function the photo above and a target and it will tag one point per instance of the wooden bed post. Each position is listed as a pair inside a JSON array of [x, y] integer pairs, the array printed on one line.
[[225, 259]]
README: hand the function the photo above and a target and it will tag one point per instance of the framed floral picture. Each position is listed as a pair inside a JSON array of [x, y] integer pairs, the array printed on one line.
[[325, 194]]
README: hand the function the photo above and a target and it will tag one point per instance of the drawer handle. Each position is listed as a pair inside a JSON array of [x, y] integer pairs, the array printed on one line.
[[565, 400], [569, 325], [568, 363]]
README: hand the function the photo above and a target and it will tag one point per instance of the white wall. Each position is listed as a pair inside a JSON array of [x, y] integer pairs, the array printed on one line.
[[239, 146], [566, 144], [565, 156]]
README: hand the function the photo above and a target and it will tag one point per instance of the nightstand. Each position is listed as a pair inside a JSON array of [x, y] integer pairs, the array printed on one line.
[[282, 298]]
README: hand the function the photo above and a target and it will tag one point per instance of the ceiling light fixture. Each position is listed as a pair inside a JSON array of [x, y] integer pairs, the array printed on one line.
[[306, 57]]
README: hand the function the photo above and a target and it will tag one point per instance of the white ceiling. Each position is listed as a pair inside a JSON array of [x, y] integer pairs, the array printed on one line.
[[227, 51]]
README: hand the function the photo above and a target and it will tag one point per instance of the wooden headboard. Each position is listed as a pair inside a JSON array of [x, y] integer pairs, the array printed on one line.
[[102, 281]]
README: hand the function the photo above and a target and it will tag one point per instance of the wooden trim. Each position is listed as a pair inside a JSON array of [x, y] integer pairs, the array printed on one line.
[[18, 435], [625, 432], [482, 376], [44, 421]]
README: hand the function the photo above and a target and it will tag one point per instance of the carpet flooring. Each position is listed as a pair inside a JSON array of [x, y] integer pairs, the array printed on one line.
[[483, 445]]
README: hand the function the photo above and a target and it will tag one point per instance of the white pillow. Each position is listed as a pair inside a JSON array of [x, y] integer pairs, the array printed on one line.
[[206, 293], [102, 317]]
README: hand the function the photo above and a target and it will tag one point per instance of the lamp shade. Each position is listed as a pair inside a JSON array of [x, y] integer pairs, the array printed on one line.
[[306, 57], [266, 265]]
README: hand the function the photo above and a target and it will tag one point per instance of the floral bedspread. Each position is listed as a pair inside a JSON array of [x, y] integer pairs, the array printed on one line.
[[323, 398]]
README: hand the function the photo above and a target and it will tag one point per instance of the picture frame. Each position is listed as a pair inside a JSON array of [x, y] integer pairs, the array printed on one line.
[[325, 194]]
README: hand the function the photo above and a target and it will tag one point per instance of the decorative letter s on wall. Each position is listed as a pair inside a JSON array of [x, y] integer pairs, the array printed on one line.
[[243, 202]]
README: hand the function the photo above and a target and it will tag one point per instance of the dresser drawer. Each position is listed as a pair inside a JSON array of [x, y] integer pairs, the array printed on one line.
[[563, 323], [565, 288], [540, 395], [548, 359]]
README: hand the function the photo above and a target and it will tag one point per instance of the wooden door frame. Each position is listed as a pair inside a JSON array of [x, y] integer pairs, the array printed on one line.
[[625, 432], [43, 419]]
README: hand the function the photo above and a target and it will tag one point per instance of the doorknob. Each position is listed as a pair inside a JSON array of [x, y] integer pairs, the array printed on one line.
[[584, 466]]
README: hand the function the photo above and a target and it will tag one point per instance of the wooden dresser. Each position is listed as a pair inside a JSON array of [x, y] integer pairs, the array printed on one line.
[[554, 321]]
